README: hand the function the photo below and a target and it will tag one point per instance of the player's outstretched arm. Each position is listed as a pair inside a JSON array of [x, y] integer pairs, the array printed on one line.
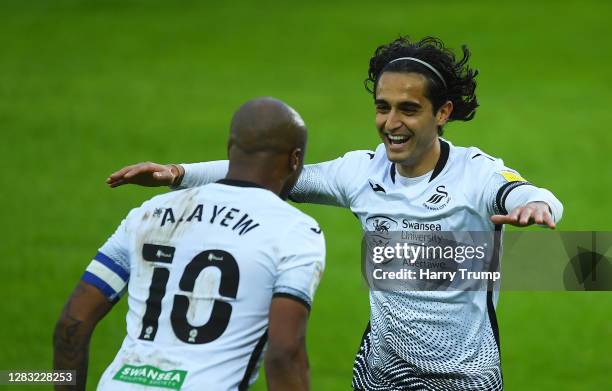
[[327, 183], [510, 199], [286, 361], [84, 309], [528, 205]]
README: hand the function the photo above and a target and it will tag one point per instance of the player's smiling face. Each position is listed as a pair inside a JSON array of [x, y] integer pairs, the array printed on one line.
[[405, 120]]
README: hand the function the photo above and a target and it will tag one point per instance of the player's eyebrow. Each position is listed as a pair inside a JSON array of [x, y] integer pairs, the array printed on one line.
[[404, 106], [381, 102], [409, 106]]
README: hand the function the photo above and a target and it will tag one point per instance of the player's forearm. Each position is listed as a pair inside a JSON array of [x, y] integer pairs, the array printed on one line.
[[287, 371], [306, 369], [71, 349], [84, 309], [523, 195], [198, 174]]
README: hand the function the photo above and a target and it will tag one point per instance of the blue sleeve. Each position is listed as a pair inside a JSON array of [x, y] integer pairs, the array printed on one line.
[[109, 270]]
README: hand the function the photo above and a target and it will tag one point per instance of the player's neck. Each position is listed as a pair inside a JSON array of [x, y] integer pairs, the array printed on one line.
[[424, 163], [257, 177]]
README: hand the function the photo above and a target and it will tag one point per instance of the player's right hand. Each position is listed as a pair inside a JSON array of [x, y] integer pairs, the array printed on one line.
[[147, 174]]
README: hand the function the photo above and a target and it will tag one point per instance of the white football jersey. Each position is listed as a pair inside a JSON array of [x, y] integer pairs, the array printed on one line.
[[200, 267], [430, 340]]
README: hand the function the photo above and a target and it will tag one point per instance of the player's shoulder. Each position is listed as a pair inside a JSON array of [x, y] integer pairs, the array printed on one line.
[[379, 154], [159, 201], [481, 166], [366, 161], [475, 161], [296, 226], [169, 197], [296, 217], [358, 157]]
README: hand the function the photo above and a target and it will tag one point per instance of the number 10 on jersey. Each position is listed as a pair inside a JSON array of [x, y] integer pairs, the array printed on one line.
[[182, 328]]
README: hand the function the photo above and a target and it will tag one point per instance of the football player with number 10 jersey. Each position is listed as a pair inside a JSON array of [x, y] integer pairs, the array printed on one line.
[[211, 274]]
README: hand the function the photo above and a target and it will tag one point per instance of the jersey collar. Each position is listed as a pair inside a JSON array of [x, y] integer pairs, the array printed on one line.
[[238, 183], [440, 164]]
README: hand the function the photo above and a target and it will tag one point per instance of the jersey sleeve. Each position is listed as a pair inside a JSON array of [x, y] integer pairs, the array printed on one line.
[[109, 271], [302, 262], [329, 183], [198, 174], [505, 189], [332, 182]]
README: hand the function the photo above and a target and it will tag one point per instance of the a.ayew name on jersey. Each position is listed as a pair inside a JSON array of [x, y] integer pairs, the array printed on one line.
[[222, 215]]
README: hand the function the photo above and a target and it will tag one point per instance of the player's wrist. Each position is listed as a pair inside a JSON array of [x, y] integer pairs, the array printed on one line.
[[178, 172]]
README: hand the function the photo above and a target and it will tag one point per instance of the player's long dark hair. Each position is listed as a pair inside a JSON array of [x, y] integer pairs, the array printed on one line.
[[459, 77]]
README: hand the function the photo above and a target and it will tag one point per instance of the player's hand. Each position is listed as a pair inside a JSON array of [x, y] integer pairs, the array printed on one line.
[[147, 174], [532, 213]]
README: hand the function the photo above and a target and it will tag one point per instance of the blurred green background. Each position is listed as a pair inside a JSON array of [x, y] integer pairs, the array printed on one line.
[[89, 86]]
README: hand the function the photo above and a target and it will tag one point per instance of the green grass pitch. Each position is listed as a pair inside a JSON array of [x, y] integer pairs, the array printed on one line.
[[88, 86]]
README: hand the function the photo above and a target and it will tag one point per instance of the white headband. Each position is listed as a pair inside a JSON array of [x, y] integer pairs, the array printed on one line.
[[434, 70]]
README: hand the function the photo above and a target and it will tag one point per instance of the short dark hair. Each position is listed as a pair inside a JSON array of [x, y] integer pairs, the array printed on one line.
[[459, 77]]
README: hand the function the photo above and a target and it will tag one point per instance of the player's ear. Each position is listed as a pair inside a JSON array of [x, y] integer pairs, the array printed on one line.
[[296, 160], [229, 147], [444, 113]]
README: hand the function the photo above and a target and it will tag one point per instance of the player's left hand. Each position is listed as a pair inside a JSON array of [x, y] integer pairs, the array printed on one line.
[[532, 213], [147, 174]]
